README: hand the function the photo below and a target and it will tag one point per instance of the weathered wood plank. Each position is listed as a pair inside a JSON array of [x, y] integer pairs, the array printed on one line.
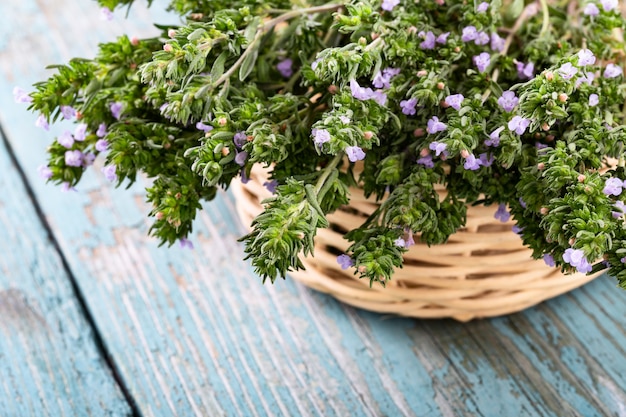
[[195, 333], [49, 363]]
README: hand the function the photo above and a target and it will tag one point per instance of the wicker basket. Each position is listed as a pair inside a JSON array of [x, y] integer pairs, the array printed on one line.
[[482, 271]]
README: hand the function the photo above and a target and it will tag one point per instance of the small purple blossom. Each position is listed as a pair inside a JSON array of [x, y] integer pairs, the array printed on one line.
[[109, 172], [549, 260], [66, 187], [455, 101], [586, 57], [44, 172], [482, 7], [102, 145], [576, 258], [567, 70], [399, 242], [443, 38], [613, 186], [382, 79], [285, 67], [508, 100], [88, 159], [593, 100], [482, 38], [586, 78], [42, 122], [359, 92], [185, 243], [591, 10], [102, 130], [240, 158], [471, 163], [68, 112], [469, 34], [518, 124], [80, 132], [66, 139], [429, 41], [486, 160], [106, 14], [502, 213], [623, 260], [204, 127], [408, 106], [389, 5], [612, 71], [240, 139], [271, 186], [494, 137], [426, 161], [320, 136], [522, 203], [345, 261], [438, 147], [355, 153], [497, 42], [540, 145], [525, 71], [344, 119], [21, 96], [482, 61], [621, 209], [609, 5], [116, 109], [517, 230], [434, 125], [73, 158], [380, 97]]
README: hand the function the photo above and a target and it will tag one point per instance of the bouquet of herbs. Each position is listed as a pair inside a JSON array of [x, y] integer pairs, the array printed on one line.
[[517, 104]]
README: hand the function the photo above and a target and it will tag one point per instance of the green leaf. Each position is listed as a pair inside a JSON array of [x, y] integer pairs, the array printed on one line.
[[248, 64]]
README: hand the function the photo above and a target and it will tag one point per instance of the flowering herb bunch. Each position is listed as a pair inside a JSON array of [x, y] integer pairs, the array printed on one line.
[[516, 105]]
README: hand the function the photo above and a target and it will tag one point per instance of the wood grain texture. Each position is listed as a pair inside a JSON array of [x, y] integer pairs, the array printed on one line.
[[49, 363], [196, 333]]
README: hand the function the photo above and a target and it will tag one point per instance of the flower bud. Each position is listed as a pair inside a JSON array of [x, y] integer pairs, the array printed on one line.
[[225, 151], [571, 241], [222, 121], [541, 166], [368, 135], [581, 178], [544, 210], [545, 126], [549, 76], [374, 35], [134, 41], [440, 85], [159, 215], [171, 33], [422, 73], [178, 196], [562, 97], [465, 153], [424, 152], [362, 41], [333, 89], [167, 47], [362, 269], [412, 30], [419, 132]]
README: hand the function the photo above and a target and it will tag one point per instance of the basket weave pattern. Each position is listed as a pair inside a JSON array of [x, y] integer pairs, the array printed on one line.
[[482, 271]]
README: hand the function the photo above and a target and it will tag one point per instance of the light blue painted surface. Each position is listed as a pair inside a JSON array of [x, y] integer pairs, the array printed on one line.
[[195, 332]]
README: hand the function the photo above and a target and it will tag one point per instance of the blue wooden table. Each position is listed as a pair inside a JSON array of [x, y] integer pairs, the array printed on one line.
[[96, 320]]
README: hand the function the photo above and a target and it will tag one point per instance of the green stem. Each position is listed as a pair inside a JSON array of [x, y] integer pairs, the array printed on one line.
[[328, 169], [545, 23]]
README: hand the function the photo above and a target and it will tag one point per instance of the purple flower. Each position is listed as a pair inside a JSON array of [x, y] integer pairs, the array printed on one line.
[[576, 258], [482, 38], [344, 119], [443, 38], [455, 101], [549, 259], [494, 137], [408, 106], [612, 71], [285, 67], [204, 127], [355, 153], [73, 158], [102, 130], [44, 172], [508, 100], [380, 97], [345, 261], [80, 132], [116, 109], [185, 243], [68, 112], [567, 70], [106, 14], [380, 81], [486, 160], [88, 159], [497, 42], [391, 72], [586, 57], [388, 5], [359, 92], [587, 78], [482, 7], [469, 34], [540, 145], [429, 41], [438, 147], [593, 100], [240, 139], [426, 161], [613, 186], [518, 124], [271, 186], [522, 203], [399, 242], [471, 163], [482, 61], [102, 145], [66, 187], [320, 136], [21, 96], [524, 71], [240, 158], [517, 230], [66, 139], [609, 5], [591, 10], [42, 122], [109, 172], [621, 209], [434, 125], [502, 214]]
